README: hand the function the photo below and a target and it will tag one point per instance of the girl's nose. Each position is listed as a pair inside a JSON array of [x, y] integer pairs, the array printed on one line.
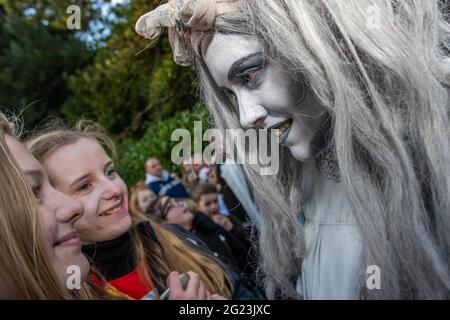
[[68, 210], [112, 190]]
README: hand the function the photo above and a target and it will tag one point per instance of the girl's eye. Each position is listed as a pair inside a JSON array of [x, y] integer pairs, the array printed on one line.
[[37, 191], [84, 187], [111, 172]]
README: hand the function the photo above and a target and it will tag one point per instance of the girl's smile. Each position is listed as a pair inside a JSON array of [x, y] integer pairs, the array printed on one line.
[[93, 180]]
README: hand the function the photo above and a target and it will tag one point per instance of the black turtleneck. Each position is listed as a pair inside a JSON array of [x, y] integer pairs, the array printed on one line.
[[113, 258]]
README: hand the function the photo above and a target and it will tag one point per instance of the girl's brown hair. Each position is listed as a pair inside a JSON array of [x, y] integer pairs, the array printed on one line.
[[176, 254]]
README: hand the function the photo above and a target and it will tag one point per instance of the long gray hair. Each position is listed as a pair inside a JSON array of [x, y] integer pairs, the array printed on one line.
[[385, 83]]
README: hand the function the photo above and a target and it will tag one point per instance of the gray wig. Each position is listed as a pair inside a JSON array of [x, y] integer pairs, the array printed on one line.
[[386, 87]]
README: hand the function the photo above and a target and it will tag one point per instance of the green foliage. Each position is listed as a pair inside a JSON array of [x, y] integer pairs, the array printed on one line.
[[35, 62], [123, 90], [156, 142], [129, 85], [53, 13]]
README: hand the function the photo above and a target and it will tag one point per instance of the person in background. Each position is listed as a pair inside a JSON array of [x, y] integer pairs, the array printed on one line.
[[200, 167], [207, 202], [224, 245], [213, 180], [142, 197], [203, 233], [189, 177], [237, 194], [161, 182]]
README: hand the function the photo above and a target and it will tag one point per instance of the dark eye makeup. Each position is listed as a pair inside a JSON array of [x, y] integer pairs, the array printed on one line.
[[247, 69]]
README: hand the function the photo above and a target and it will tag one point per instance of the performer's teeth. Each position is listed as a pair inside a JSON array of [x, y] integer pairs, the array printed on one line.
[[283, 127]]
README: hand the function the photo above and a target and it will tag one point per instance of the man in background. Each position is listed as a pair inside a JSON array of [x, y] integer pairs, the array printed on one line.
[[161, 182]]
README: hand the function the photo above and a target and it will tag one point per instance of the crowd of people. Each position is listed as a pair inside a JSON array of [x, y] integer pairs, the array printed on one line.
[[203, 203], [359, 208], [357, 94], [77, 208]]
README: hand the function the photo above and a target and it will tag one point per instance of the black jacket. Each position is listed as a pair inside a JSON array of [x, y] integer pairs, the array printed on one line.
[[244, 287], [220, 241]]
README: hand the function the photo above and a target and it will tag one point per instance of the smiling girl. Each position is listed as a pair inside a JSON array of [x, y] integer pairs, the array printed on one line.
[[135, 260], [37, 236]]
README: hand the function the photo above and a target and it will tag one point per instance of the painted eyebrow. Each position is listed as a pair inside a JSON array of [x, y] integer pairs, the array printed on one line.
[[236, 67]]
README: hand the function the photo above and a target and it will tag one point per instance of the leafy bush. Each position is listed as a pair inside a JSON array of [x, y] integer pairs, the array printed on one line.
[[35, 64], [156, 142], [123, 90]]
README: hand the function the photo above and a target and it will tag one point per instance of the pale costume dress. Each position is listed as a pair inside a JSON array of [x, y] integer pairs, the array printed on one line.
[[332, 260]]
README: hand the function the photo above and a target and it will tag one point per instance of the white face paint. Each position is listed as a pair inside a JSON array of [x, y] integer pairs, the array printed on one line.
[[267, 94]]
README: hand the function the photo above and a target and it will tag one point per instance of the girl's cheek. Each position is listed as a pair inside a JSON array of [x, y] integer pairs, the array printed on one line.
[[47, 220], [90, 207], [124, 187], [124, 192]]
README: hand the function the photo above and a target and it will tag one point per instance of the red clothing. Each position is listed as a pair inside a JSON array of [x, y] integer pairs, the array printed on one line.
[[131, 285]]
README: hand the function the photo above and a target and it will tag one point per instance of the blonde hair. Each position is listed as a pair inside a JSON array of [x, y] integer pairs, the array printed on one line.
[[25, 267], [135, 211], [176, 255]]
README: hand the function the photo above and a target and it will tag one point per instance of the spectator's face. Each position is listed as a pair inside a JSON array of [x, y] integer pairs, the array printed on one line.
[[58, 215], [212, 177], [208, 204], [199, 166], [177, 214], [145, 199], [154, 167], [83, 171], [186, 167], [197, 162]]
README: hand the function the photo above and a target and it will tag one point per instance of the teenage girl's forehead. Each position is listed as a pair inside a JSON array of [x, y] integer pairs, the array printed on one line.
[[144, 192], [84, 156], [84, 149]]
